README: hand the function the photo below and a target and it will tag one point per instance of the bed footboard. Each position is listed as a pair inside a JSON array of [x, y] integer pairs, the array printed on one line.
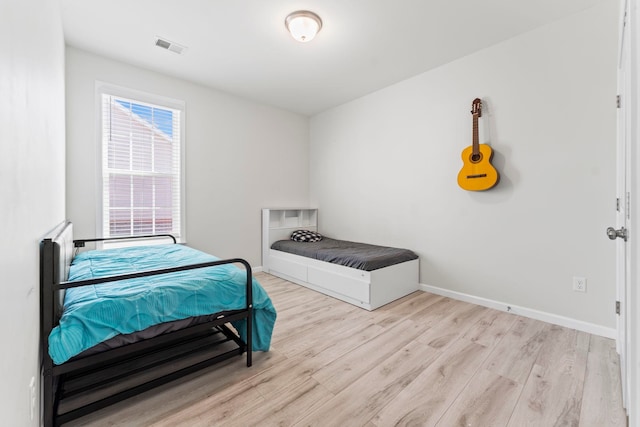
[[87, 383]]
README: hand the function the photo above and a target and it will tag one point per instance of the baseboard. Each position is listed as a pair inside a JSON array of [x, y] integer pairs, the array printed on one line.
[[256, 269], [523, 311]]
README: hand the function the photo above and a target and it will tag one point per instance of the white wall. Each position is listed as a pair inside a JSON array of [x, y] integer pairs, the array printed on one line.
[[32, 188], [238, 155], [383, 169]]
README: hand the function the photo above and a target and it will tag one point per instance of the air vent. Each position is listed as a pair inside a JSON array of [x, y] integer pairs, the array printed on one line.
[[169, 45]]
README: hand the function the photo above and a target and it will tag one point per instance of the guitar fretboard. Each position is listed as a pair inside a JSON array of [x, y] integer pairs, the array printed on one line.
[[476, 143]]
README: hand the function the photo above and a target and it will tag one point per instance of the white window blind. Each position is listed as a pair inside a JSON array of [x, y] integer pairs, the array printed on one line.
[[141, 168]]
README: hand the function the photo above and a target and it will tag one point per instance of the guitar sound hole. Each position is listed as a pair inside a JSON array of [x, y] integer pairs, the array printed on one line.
[[475, 158]]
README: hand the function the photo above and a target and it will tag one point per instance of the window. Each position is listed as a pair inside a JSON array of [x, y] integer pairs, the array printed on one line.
[[141, 169]]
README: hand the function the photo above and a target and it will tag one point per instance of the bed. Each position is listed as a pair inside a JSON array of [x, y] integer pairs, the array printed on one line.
[[368, 276], [118, 322]]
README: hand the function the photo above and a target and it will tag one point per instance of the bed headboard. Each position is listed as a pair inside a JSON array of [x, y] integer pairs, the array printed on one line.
[[279, 223], [56, 254]]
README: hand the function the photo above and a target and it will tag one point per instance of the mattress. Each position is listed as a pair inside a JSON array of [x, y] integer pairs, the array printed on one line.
[[97, 313], [150, 332], [350, 254]]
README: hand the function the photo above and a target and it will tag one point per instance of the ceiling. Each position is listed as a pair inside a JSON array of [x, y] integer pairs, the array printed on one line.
[[242, 46]]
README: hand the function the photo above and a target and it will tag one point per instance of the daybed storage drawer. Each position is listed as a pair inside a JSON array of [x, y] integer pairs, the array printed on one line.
[[291, 269], [348, 286]]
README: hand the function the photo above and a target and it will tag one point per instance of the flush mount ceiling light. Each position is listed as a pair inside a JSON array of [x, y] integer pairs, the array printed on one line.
[[303, 25]]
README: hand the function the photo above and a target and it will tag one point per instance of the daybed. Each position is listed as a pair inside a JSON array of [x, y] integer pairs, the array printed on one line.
[[118, 322], [365, 275]]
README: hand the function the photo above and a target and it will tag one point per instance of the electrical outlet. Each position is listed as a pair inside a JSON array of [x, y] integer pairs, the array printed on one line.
[[32, 397], [579, 284]]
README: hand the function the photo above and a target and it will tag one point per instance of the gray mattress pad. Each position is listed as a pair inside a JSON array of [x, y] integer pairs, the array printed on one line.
[[350, 254]]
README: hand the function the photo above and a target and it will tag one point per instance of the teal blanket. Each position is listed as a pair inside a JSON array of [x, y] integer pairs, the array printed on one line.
[[93, 314]]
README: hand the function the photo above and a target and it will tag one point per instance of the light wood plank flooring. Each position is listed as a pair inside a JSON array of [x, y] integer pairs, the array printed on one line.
[[424, 360]]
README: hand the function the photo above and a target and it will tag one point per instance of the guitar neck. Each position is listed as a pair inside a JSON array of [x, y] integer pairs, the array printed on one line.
[[476, 144]]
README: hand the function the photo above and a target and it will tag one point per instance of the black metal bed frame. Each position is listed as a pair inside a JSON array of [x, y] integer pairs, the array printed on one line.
[[85, 384]]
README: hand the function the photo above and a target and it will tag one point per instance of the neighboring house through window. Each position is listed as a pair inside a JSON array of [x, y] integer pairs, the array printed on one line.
[[141, 164]]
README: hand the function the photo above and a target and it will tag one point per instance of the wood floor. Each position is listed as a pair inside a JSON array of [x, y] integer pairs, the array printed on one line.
[[424, 360]]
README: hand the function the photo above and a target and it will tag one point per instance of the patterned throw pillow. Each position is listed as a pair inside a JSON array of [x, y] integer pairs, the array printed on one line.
[[305, 236]]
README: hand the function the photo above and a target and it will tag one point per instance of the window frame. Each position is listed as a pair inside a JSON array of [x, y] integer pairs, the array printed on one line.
[[102, 88]]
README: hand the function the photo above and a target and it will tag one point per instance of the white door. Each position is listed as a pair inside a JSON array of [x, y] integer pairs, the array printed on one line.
[[618, 233], [623, 232]]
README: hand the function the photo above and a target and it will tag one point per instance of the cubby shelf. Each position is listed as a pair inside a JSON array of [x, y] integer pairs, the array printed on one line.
[[291, 218]]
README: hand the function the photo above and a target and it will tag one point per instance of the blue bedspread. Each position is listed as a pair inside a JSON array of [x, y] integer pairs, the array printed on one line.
[[93, 314]]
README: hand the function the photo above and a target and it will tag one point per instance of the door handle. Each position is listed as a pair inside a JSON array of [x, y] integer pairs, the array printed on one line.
[[614, 234]]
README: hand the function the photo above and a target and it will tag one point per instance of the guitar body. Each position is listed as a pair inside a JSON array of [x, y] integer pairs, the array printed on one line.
[[477, 174]]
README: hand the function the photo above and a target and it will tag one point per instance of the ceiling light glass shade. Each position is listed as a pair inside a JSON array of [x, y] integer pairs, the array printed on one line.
[[303, 25]]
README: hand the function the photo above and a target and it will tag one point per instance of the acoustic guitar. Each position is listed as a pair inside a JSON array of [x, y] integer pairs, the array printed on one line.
[[477, 173]]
